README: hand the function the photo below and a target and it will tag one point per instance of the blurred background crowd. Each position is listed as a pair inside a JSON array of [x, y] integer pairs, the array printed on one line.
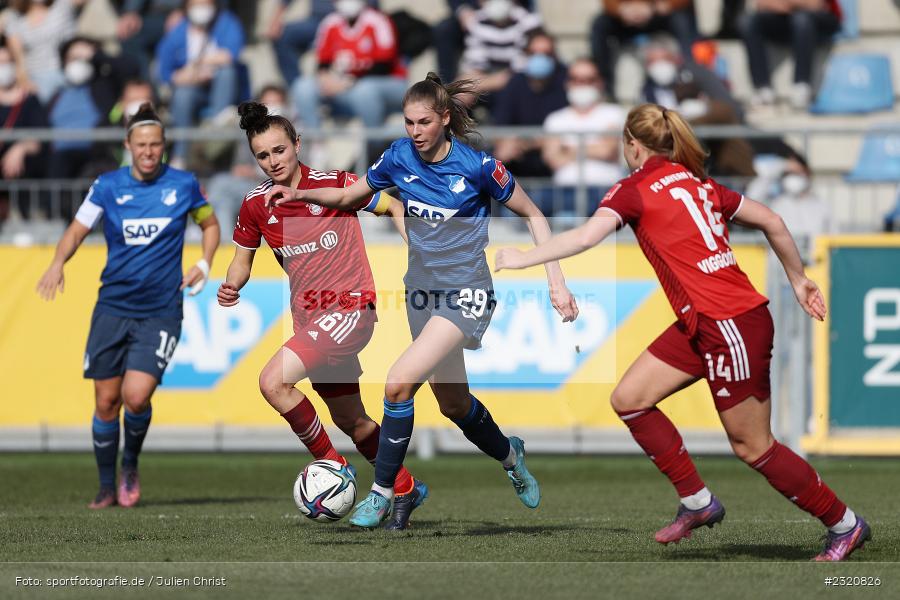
[[794, 98]]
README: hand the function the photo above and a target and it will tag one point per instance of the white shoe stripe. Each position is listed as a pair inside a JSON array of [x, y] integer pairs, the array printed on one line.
[[632, 416]]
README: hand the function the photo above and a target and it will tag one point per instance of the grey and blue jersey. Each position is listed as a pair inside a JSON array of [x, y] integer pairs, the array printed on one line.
[[144, 224], [447, 207]]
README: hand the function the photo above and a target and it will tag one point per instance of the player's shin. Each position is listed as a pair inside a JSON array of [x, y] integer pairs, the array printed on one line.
[[305, 423], [106, 448], [659, 439], [368, 447], [396, 430], [797, 481], [479, 428], [136, 426]]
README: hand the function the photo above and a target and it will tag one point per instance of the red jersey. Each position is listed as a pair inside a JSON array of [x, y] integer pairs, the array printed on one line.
[[321, 249], [680, 224], [355, 50]]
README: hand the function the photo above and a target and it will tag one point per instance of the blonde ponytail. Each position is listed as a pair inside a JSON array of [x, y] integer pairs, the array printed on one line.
[[665, 132]]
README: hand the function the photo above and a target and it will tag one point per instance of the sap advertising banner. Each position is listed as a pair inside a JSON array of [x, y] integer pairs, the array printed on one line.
[[533, 370]]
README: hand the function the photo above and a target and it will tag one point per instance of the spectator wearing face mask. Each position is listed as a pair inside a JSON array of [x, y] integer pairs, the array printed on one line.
[[601, 123], [35, 31], [806, 215], [199, 59], [701, 98], [495, 43], [93, 83], [360, 72], [227, 190], [622, 20], [19, 109], [291, 39], [528, 99]]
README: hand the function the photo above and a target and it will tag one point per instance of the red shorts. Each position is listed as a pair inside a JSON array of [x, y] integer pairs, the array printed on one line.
[[733, 354], [329, 347]]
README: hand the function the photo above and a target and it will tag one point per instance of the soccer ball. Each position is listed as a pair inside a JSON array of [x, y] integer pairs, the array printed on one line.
[[325, 490]]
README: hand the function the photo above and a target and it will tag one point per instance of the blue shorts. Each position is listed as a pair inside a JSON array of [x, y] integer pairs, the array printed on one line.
[[470, 309], [118, 344]]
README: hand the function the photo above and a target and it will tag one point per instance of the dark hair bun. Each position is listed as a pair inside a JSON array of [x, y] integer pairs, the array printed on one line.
[[145, 113], [434, 77], [253, 116]]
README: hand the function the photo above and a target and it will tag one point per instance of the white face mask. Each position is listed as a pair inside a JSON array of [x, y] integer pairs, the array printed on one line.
[[662, 72], [276, 110], [583, 96], [497, 10], [7, 75], [349, 9], [201, 15], [794, 183], [78, 72]]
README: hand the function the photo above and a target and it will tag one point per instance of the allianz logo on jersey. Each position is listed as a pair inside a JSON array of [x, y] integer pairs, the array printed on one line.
[[140, 232], [432, 215], [528, 346], [214, 339], [327, 241]]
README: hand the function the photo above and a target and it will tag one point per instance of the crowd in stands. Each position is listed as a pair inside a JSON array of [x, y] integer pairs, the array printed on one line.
[[186, 57]]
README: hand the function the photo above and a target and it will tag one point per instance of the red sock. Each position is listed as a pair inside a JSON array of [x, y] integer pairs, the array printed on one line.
[[656, 434], [368, 447], [798, 482], [305, 423]]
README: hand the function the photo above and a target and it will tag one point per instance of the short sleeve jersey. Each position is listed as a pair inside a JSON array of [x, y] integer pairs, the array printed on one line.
[[144, 224], [321, 249], [447, 205], [680, 224]]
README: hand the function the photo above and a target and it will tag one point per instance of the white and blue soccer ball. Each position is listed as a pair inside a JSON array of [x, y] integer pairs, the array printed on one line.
[[325, 490]]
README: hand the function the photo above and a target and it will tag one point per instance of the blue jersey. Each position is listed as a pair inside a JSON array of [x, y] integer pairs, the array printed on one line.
[[447, 207], [144, 223]]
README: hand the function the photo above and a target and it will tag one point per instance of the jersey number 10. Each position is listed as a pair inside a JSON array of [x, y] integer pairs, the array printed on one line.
[[711, 225]]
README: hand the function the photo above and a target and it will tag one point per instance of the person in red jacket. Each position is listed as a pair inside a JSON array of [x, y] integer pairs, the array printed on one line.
[[723, 332]]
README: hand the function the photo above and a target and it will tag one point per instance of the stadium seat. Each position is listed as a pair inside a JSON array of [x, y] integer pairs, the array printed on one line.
[[879, 160], [855, 83]]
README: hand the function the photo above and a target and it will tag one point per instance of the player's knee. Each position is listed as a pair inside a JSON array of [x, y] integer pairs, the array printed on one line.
[[750, 448], [272, 385], [108, 406], [397, 391], [623, 401], [136, 401]]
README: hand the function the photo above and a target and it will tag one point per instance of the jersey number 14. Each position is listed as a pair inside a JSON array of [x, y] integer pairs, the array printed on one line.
[[710, 224]]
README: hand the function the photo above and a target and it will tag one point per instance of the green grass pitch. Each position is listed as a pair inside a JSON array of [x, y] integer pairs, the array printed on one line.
[[231, 516]]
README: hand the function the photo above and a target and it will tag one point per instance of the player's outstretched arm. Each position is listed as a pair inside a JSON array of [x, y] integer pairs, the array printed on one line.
[[196, 277], [53, 278], [346, 198], [560, 296], [398, 217], [237, 277], [759, 216], [570, 243]]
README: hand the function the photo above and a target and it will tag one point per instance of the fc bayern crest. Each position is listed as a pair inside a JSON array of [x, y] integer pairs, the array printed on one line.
[[315, 209]]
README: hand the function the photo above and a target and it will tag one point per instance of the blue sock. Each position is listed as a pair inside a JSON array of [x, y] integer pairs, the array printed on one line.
[[106, 447], [135, 431], [479, 428], [396, 429]]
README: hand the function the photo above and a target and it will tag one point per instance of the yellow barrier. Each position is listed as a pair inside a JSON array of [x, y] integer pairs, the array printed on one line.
[[42, 344]]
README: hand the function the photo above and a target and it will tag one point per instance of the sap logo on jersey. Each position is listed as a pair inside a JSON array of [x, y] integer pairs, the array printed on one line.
[[432, 215], [215, 338], [140, 232], [527, 345]]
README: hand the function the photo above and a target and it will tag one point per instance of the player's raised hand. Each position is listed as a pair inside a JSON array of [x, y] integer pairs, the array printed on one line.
[[228, 295], [278, 195], [52, 280], [508, 258], [564, 303], [810, 298]]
